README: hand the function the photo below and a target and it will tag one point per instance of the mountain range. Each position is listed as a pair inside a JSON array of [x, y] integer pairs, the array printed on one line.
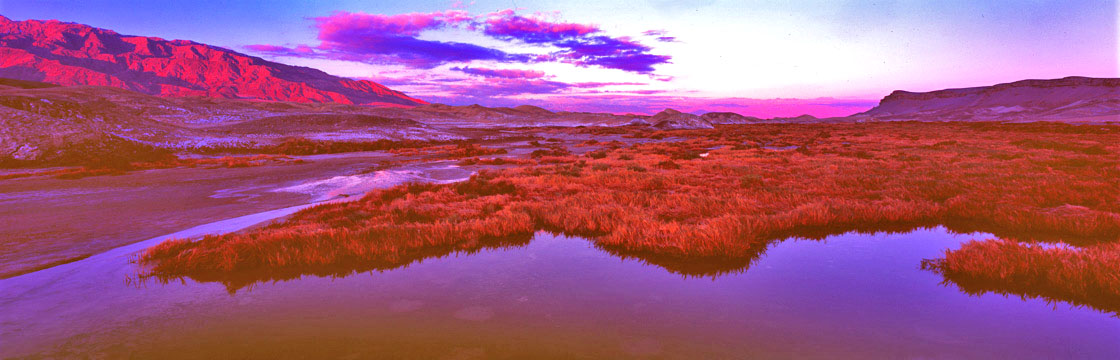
[[74, 54]]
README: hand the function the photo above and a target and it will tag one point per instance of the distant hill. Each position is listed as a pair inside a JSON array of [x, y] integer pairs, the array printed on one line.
[[1071, 99], [74, 54], [729, 118], [41, 123], [670, 119]]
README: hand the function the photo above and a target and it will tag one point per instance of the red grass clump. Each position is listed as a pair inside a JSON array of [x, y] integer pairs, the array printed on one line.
[[495, 161], [1088, 276], [393, 234]]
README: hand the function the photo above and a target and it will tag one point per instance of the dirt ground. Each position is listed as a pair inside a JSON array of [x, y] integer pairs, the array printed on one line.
[[49, 220]]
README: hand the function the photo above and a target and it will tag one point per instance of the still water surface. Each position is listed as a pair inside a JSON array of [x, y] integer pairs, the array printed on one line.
[[852, 295]]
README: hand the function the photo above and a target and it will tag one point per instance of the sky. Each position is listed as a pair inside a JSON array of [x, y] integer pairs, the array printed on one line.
[[759, 58]]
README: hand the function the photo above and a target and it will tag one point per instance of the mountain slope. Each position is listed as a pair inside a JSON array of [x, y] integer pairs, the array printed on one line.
[[51, 125], [670, 119], [1074, 99], [74, 54], [728, 118]]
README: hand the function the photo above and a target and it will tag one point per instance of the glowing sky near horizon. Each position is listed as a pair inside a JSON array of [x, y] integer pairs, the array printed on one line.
[[763, 58]]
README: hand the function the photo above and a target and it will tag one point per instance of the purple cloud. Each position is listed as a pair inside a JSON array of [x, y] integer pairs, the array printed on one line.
[[343, 23], [376, 38], [581, 45], [612, 53], [660, 35], [393, 39]]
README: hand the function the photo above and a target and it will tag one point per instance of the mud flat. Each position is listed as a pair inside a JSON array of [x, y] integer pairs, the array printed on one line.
[[50, 221]]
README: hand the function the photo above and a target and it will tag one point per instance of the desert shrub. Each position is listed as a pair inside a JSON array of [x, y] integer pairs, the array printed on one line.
[[1061, 146], [685, 155], [482, 186], [554, 151], [944, 144], [750, 180], [668, 165]]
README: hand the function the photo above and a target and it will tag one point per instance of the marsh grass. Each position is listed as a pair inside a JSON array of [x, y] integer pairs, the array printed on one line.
[[1086, 276], [661, 202]]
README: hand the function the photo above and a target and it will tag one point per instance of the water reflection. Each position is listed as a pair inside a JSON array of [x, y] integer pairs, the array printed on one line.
[[247, 279], [846, 296], [1105, 303], [699, 267]]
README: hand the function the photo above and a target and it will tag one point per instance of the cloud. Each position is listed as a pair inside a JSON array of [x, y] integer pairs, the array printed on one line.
[[341, 23], [612, 53], [579, 44], [501, 73], [496, 87], [482, 85], [395, 39], [633, 102], [392, 39], [267, 48], [660, 35], [602, 84], [507, 25], [502, 87], [301, 50]]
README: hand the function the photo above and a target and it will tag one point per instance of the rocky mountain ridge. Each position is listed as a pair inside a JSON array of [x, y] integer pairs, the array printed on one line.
[[74, 54]]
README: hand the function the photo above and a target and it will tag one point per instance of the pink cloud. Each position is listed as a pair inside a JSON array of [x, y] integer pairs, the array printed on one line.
[[340, 24], [391, 39], [501, 73], [507, 25], [602, 84], [489, 85]]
